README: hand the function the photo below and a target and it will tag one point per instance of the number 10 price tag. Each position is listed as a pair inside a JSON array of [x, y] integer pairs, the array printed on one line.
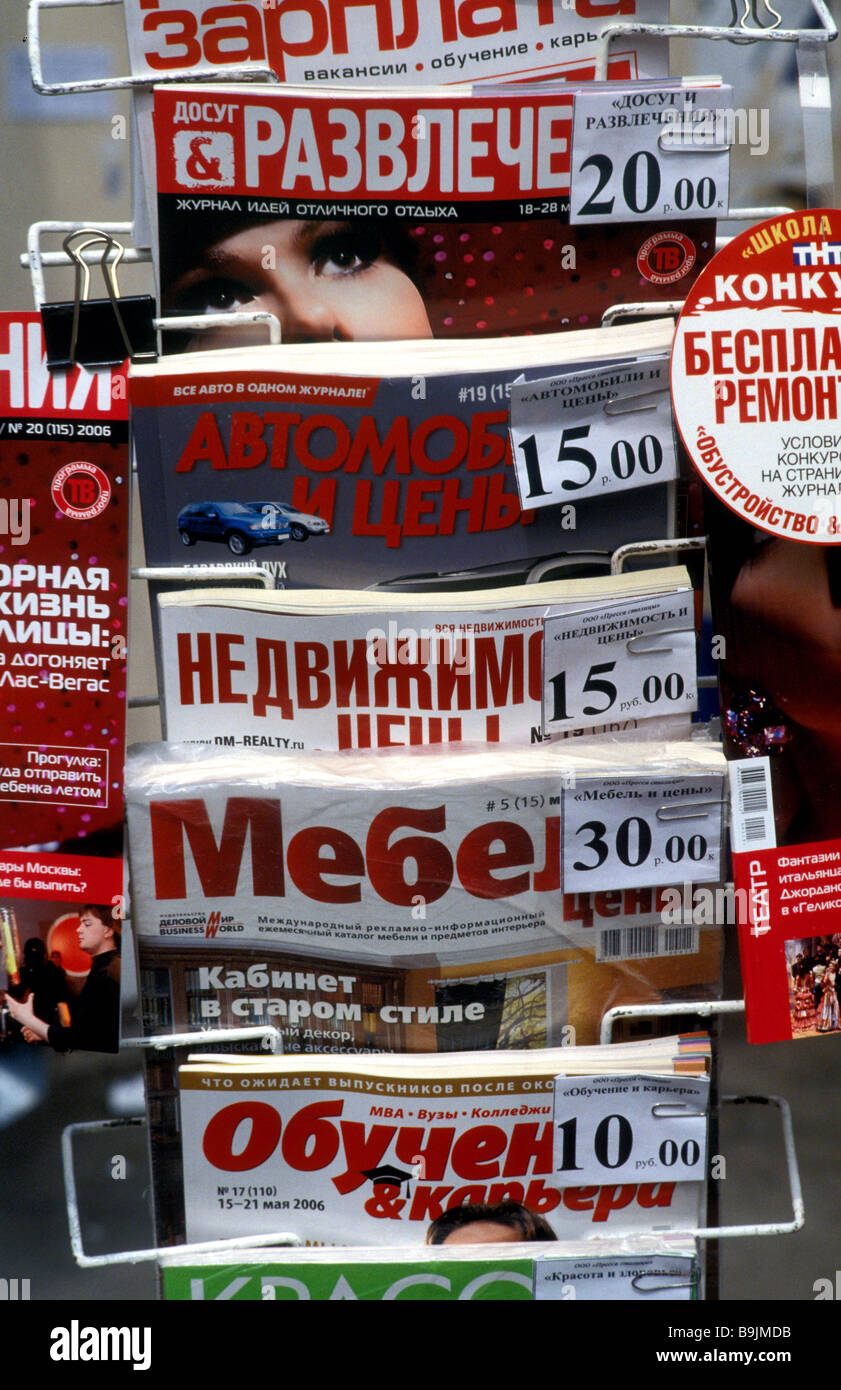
[[643, 155], [619, 660], [629, 1129]]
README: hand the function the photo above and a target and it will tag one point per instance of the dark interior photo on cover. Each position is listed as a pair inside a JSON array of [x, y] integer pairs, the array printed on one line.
[[777, 604], [378, 279], [71, 1000]]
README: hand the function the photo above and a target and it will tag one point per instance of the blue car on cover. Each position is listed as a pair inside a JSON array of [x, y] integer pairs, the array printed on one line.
[[235, 524]]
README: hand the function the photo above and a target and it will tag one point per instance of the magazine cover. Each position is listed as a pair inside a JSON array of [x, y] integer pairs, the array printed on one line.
[[391, 215], [755, 401], [344, 1154], [411, 41], [352, 471], [368, 670], [63, 573], [398, 850], [637, 1268], [382, 1153]]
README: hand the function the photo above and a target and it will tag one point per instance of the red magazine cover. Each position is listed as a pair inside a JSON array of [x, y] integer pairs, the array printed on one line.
[[409, 41], [391, 215], [63, 597]]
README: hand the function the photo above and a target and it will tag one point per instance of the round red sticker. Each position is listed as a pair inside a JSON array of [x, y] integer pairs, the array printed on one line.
[[756, 375], [81, 490], [666, 257]]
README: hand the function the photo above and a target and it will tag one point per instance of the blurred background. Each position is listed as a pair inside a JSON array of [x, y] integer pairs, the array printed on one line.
[[68, 158]]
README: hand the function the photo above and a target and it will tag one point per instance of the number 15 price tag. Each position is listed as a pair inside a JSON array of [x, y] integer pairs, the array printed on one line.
[[617, 660], [629, 1129], [648, 155]]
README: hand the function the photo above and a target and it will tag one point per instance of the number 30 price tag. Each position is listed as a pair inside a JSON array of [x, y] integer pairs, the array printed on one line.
[[629, 1129], [642, 832], [618, 660], [643, 155]]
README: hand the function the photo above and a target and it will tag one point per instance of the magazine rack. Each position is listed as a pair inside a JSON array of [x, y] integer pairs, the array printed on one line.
[[708, 1009], [814, 98], [701, 1008]]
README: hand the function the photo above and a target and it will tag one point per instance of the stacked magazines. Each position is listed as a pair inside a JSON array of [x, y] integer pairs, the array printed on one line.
[[383, 1151]]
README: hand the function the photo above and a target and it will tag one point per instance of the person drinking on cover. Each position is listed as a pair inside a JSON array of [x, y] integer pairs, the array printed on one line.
[[95, 1017]]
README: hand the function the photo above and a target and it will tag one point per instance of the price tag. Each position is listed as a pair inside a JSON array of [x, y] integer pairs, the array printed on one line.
[[632, 658], [642, 832], [587, 434], [648, 155], [629, 1129], [625, 1278]]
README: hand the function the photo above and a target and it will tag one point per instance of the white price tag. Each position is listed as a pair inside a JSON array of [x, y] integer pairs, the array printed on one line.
[[632, 658], [629, 1129], [615, 1278], [643, 155], [642, 832], [587, 434]]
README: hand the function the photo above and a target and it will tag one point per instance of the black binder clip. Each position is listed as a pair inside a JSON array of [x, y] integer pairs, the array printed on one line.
[[98, 332]]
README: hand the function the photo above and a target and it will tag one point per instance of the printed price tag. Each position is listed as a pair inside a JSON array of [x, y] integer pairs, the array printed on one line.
[[641, 832], [647, 155], [614, 659], [629, 1129], [625, 1278], [589, 433]]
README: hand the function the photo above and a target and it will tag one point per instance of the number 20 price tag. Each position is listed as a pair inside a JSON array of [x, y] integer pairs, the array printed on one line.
[[629, 1129], [616, 660], [642, 832], [588, 434], [643, 155]]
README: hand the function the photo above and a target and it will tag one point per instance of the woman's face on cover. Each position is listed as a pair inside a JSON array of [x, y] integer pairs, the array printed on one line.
[[325, 281]]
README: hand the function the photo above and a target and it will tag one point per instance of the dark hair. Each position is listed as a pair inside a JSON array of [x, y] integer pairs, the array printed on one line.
[[527, 1224], [105, 913]]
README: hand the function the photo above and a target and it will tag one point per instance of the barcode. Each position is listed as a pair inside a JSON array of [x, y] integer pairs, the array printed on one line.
[[752, 808], [637, 943]]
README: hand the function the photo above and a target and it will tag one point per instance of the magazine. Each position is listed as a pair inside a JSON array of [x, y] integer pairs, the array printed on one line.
[[399, 850], [391, 215], [344, 1154], [383, 670], [412, 41], [64, 541], [634, 1268], [395, 462]]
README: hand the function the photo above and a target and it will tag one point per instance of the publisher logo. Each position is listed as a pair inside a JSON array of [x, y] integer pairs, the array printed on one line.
[[204, 157], [81, 491], [214, 921], [666, 257]]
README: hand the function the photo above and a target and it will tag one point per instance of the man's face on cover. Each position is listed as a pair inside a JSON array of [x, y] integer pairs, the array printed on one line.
[[95, 936], [325, 281]]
